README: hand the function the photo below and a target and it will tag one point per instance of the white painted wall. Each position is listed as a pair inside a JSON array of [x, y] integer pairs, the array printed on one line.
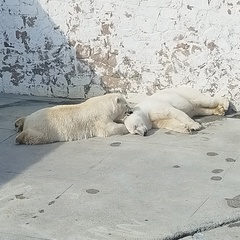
[[81, 48]]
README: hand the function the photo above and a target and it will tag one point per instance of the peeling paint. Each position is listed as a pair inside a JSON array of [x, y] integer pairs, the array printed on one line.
[[83, 51], [106, 29], [79, 48]]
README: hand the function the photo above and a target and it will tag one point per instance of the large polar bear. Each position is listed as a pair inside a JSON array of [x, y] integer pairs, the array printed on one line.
[[95, 117], [173, 109]]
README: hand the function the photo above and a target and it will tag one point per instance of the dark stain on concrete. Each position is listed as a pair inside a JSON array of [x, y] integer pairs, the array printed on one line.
[[193, 132], [204, 138], [52, 202], [216, 178], [217, 171], [115, 144], [234, 202], [20, 196], [230, 160], [212, 154], [92, 191], [176, 166]]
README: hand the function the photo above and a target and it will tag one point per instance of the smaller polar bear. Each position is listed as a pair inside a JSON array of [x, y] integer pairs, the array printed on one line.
[[173, 109], [95, 117]]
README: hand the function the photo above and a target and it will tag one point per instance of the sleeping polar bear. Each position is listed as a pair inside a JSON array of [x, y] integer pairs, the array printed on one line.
[[173, 109], [95, 117]]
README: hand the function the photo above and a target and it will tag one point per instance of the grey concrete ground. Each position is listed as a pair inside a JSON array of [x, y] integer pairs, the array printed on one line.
[[163, 186]]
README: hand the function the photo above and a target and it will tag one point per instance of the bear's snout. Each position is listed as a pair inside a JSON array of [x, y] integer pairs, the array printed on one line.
[[142, 131], [145, 133]]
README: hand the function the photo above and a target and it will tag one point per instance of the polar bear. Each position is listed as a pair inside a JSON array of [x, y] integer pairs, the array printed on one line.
[[94, 117], [173, 109]]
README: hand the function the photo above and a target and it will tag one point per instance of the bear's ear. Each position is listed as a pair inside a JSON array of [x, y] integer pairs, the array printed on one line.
[[118, 99]]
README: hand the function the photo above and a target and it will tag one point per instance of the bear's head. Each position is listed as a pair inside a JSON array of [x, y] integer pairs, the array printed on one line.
[[121, 108], [135, 124]]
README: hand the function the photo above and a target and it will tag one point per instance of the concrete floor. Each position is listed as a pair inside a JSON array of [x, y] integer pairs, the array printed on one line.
[[163, 186]]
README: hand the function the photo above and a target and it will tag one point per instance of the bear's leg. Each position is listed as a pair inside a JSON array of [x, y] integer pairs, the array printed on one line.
[[211, 105], [111, 129], [219, 110], [30, 137], [171, 124], [177, 117], [19, 124]]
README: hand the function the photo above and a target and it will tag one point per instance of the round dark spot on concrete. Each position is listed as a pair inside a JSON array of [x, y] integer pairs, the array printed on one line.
[[146, 220], [34, 217], [41, 211], [176, 166], [217, 171], [115, 144], [234, 202], [230, 160], [216, 178], [92, 191], [27, 223], [212, 154]]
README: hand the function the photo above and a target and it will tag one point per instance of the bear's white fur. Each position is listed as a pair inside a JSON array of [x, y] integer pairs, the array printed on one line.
[[94, 117], [173, 109]]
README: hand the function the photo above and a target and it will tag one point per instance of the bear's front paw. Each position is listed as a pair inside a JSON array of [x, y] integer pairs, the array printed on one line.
[[194, 126]]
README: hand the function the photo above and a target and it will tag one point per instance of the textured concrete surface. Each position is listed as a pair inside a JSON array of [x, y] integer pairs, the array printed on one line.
[[76, 48], [163, 186]]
